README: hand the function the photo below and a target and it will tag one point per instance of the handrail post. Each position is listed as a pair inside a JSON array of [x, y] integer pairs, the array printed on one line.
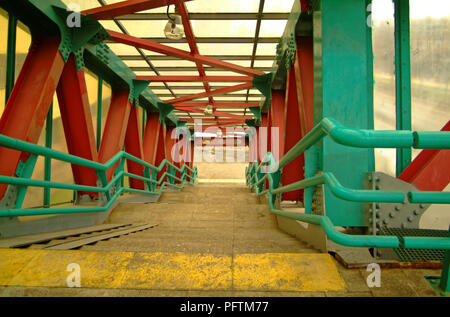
[[47, 160]]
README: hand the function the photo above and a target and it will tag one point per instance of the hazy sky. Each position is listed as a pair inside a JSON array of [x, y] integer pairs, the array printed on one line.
[[383, 9]]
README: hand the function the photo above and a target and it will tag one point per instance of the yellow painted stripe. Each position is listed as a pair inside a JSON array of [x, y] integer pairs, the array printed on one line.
[[139, 270], [290, 272]]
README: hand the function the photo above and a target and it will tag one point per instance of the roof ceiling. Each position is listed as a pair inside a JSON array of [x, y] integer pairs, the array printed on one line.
[[242, 32]]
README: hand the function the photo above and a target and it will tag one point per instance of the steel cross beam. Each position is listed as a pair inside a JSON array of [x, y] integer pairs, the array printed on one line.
[[238, 119], [126, 7], [177, 79], [167, 50], [181, 8], [218, 104], [141, 53], [255, 41], [210, 93]]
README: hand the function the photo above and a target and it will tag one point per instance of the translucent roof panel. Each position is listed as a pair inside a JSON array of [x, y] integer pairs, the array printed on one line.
[[235, 31]]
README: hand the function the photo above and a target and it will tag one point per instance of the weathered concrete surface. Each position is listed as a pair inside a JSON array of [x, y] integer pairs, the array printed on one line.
[[217, 233]]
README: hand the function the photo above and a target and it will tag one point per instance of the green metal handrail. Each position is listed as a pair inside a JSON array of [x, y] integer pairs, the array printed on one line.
[[355, 138], [101, 171], [367, 139]]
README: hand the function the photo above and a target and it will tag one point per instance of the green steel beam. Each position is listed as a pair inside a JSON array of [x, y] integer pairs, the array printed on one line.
[[48, 160], [10, 56], [402, 78]]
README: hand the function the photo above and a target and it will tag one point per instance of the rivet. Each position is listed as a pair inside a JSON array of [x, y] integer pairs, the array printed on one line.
[[391, 215], [409, 219], [396, 208], [415, 212], [377, 206]]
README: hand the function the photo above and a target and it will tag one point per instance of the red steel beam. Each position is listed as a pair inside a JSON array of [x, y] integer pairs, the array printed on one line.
[[430, 170], [189, 109], [218, 125], [230, 115], [241, 119], [29, 102], [220, 91], [126, 7], [294, 171], [115, 128], [175, 79], [151, 137], [77, 122], [304, 76], [174, 52], [160, 154], [218, 104], [133, 145]]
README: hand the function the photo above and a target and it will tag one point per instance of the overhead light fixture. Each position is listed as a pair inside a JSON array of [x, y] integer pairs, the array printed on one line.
[[208, 110], [174, 28]]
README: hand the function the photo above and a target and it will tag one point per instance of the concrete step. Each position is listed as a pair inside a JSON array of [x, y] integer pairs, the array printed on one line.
[[162, 271]]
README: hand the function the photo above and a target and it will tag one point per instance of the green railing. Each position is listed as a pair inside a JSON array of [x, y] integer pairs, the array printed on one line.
[[152, 184], [256, 179]]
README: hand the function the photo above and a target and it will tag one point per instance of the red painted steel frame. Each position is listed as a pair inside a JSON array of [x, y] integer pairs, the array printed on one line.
[[277, 114], [133, 145], [294, 171], [175, 79], [171, 143], [218, 104], [174, 52], [161, 148], [28, 104], [192, 154], [77, 122], [430, 170], [126, 7], [304, 74], [181, 9], [240, 119], [115, 128], [220, 91], [151, 137]]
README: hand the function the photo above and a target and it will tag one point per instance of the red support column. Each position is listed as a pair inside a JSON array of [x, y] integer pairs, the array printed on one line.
[[151, 137], [430, 170], [133, 145], [172, 148], [28, 105], [77, 122], [304, 74], [278, 120], [115, 128], [161, 148], [192, 153], [294, 171]]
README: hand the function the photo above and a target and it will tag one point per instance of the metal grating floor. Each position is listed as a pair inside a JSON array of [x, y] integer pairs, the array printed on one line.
[[416, 255]]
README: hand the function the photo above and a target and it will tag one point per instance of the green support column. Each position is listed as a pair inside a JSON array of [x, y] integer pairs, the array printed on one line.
[[47, 160], [10, 56], [99, 112], [445, 276], [343, 90], [402, 78]]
